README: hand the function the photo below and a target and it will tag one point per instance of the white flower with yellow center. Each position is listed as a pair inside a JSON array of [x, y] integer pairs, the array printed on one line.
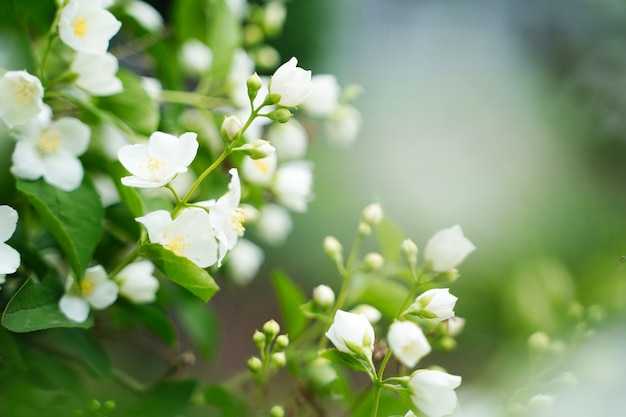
[[9, 257], [21, 97], [96, 73], [95, 290], [293, 185], [137, 282], [157, 163], [85, 25], [408, 343], [189, 235], [259, 171], [51, 151]]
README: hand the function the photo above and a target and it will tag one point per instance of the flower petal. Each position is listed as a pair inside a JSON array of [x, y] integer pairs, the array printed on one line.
[[74, 308]]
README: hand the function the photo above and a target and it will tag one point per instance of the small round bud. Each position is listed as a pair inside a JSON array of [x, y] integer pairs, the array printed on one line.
[[279, 115], [271, 329], [278, 359], [281, 342], [277, 411], [258, 149], [447, 343], [254, 84], [408, 250], [324, 296], [253, 34], [539, 342], [94, 405], [273, 98], [364, 229], [231, 127], [266, 57], [110, 405], [259, 340], [333, 249], [255, 365], [451, 275], [320, 373], [374, 261], [372, 314], [576, 311], [596, 313], [372, 214], [455, 325]]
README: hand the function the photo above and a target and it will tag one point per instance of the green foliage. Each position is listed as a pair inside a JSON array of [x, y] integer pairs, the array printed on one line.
[[169, 399], [200, 325], [346, 360], [228, 404], [290, 298]]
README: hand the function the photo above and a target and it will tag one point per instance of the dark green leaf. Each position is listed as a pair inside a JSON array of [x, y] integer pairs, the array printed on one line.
[[151, 317], [290, 297], [75, 218], [167, 400], [345, 359], [182, 271], [229, 404], [385, 294], [35, 307], [200, 325], [10, 350]]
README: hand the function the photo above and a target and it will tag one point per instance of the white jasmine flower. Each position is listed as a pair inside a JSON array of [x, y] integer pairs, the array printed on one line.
[[237, 7], [96, 291], [196, 57], [352, 333], [96, 73], [106, 189], [324, 296], [455, 325], [87, 26], [152, 86], [372, 214], [290, 139], [408, 343], [343, 126], [137, 282], [447, 249], [436, 304], [291, 83], [274, 15], [274, 224], [189, 235], [244, 261], [257, 149], [51, 151], [325, 97], [241, 68], [259, 171], [293, 184], [409, 414], [9, 257], [373, 314], [146, 15], [157, 163], [113, 139], [21, 97], [433, 392]]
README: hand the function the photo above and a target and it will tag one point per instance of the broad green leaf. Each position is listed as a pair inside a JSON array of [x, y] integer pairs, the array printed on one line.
[[200, 324], [133, 106], [290, 298], [345, 359], [182, 271], [74, 218], [153, 318], [130, 197], [35, 307], [10, 350], [385, 294], [229, 404], [390, 238], [166, 400]]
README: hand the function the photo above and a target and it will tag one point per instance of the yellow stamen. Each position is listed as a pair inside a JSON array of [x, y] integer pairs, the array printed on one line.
[[155, 164], [176, 244], [22, 92], [262, 165], [237, 220], [86, 286], [80, 27], [49, 141]]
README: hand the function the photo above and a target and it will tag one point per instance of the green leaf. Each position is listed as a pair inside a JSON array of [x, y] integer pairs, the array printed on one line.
[[182, 271], [346, 360], [133, 106], [385, 294], [290, 297], [390, 238], [200, 325], [10, 350], [166, 400], [229, 404], [74, 218], [150, 316], [35, 307]]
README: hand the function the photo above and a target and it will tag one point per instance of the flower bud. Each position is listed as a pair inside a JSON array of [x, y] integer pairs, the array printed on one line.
[[596, 313], [435, 304], [231, 127], [333, 249], [279, 115], [451, 275], [255, 365], [259, 340], [281, 342], [109, 405], [258, 149], [373, 261], [447, 343], [408, 250], [94, 405], [320, 373], [277, 411], [539, 342], [254, 84], [372, 214], [372, 314], [278, 359], [455, 325], [364, 229], [324, 296], [271, 329]]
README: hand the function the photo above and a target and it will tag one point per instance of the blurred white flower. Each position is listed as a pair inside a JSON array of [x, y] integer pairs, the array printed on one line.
[[152, 86], [408, 343], [113, 139], [244, 261], [87, 26], [447, 249], [241, 68], [274, 15], [293, 185], [325, 97], [237, 7], [274, 224], [409, 414], [137, 282], [196, 57], [157, 163], [372, 214], [435, 304], [51, 151], [9, 257], [259, 171], [257, 149], [343, 126], [455, 325], [324, 296], [352, 333], [373, 314], [21, 97], [433, 392], [189, 235], [146, 15], [96, 73], [290, 139], [106, 189], [291, 83], [95, 290]]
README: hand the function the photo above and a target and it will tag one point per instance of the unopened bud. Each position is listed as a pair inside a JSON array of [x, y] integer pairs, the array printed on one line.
[[447, 343], [94, 405], [365, 229], [278, 359], [110, 405], [450, 275], [324, 296], [258, 149], [255, 365], [539, 342], [372, 314], [259, 340], [333, 249], [277, 411], [596, 313], [408, 250], [279, 115], [271, 329], [231, 127], [372, 214], [254, 84], [374, 261], [281, 342]]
